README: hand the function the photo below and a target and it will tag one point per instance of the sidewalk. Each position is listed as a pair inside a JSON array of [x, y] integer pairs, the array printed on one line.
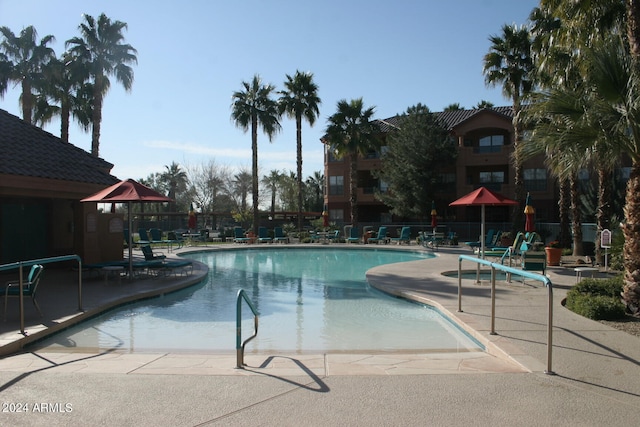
[[596, 382]]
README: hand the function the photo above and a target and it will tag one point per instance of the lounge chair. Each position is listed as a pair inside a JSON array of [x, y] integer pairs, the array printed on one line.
[[404, 237], [334, 237], [431, 240], [278, 235], [29, 288], [149, 255], [263, 235], [510, 251], [489, 241], [156, 236], [239, 237], [354, 235], [380, 237], [143, 237]]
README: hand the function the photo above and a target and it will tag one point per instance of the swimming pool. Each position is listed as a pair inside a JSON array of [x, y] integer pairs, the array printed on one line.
[[309, 300]]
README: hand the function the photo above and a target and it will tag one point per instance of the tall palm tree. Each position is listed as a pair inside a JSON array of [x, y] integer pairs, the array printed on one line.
[[251, 108], [174, 178], [272, 181], [315, 185], [351, 133], [23, 62], [300, 100], [102, 49], [508, 63], [64, 94]]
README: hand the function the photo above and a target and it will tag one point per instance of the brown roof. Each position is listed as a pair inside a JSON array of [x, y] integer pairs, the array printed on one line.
[[450, 119], [27, 150]]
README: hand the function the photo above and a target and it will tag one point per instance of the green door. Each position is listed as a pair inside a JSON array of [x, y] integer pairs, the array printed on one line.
[[23, 231]]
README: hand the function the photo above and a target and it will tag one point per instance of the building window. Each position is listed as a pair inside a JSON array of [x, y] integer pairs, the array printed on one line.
[[336, 185], [490, 144], [384, 186], [336, 215], [535, 179], [492, 180]]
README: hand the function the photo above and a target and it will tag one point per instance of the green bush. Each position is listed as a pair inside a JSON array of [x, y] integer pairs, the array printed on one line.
[[597, 299]]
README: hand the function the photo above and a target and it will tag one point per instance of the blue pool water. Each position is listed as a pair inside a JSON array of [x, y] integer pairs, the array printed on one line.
[[309, 300]]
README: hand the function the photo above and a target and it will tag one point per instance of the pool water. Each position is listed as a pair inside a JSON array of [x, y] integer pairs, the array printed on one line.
[[309, 300]]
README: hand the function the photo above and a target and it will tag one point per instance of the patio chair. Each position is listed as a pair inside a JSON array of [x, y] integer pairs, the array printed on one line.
[[354, 235], [143, 237], [489, 240], [405, 236], [278, 235], [29, 288], [174, 238], [334, 237], [380, 237], [149, 255], [239, 237], [156, 236], [263, 235]]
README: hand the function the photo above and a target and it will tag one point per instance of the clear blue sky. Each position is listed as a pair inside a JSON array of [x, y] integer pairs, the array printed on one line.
[[193, 54]]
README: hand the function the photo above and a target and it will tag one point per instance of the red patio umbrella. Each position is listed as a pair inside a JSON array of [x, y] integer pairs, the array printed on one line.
[[529, 211], [434, 216], [193, 220], [325, 217], [128, 192], [483, 197]]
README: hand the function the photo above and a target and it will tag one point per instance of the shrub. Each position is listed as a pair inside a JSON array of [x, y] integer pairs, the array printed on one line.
[[597, 299]]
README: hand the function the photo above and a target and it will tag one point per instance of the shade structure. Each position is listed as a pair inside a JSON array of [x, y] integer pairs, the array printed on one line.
[[434, 216], [529, 212], [129, 191], [483, 197]]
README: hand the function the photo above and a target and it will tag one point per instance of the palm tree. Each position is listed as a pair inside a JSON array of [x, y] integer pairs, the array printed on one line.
[[315, 185], [253, 107], [64, 94], [102, 50], [23, 61], [508, 63], [174, 178], [351, 133], [300, 100], [272, 181]]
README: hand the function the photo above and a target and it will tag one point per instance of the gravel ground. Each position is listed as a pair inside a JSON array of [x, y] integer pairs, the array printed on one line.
[[631, 325]]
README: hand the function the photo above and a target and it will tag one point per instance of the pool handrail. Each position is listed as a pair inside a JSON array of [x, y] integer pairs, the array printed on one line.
[[511, 270], [242, 295], [20, 264]]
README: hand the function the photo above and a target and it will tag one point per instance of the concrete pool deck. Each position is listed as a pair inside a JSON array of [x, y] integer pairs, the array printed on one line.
[[596, 382]]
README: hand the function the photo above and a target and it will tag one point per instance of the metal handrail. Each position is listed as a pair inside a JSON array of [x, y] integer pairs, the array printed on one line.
[[239, 344], [20, 264], [511, 270]]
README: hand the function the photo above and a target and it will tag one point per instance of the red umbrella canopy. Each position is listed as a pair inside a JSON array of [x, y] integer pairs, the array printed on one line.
[[483, 196], [434, 215], [127, 191]]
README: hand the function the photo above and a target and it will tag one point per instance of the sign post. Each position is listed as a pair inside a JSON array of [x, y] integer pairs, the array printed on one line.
[[605, 242]]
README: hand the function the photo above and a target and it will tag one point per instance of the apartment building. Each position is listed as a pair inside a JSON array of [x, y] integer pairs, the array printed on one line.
[[485, 144]]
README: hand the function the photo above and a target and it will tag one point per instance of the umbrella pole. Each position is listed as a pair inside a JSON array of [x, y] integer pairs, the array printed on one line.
[[481, 254], [130, 242]]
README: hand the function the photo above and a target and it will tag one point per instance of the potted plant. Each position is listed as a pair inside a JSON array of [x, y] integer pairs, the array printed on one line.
[[554, 253]]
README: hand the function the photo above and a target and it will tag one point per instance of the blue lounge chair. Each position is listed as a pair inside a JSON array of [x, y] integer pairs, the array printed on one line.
[[29, 288], [143, 237], [149, 255], [404, 237], [278, 235], [354, 235], [239, 237], [489, 241], [156, 236], [334, 237], [263, 235], [380, 237]]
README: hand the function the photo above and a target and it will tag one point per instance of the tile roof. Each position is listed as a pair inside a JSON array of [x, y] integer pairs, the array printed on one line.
[[450, 119], [29, 151]]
